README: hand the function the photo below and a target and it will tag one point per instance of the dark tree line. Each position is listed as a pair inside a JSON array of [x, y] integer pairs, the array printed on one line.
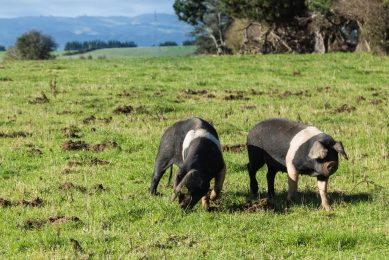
[[2, 48], [295, 26], [76, 46]]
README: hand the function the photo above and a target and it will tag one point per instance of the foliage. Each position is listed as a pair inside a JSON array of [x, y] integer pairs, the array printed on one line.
[[2, 48], [344, 95], [86, 46], [271, 11], [34, 45], [207, 17], [188, 42], [11, 54], [372, 18], [321, 6], [168, 43]]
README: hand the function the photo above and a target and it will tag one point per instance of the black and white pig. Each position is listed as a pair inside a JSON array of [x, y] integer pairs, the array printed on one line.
[[294, 148], [193, 145]]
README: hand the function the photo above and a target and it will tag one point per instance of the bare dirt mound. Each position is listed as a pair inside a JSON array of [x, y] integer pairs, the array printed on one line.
[[236, 148], [39, 223]]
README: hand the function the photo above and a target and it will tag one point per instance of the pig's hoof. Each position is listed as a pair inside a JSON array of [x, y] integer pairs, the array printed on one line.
[[155, 193], [289, 203], [214, 196], [326, 207]]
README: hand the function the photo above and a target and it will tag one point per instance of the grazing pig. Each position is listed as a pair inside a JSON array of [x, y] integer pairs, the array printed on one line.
[[294, 148], [193, 145]]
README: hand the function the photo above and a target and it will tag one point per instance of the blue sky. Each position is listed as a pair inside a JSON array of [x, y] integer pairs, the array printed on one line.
[[71, 8]]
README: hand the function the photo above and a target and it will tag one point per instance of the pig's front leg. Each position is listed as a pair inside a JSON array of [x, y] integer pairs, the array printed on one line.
[[205, 201], [292, 182], [322, 184], [219, 180]]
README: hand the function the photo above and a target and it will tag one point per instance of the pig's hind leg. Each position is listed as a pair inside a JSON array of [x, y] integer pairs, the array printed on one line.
[[160, 167], [256, 161], [270, 176]]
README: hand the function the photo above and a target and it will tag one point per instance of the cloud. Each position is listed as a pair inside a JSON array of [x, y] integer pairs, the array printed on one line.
[[72, 8]]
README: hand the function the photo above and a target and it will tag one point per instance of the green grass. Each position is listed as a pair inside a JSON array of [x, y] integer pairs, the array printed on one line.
[[345, 95], [139, 52], [2, 55]]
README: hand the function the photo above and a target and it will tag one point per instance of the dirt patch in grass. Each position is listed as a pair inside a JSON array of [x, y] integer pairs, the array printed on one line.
[[67, 171], [71, 132], [123, 110], [91, 162], [253, 206], [68, 112], [326, 89], [96, 161], [344, 108], [248, 107], [5, 203], [288, 93], [92, 119], [39, 223], [88, 120], [99, 188], [81, 145], [106, 120], [37, 202], [75, 145], [360, 99], [42, 99], [236, 148], [195, 92], [232, 97], [33, 151], [376, 102], [71, 186], [103, 146], [15, 134], [190, 93], [124, 94]]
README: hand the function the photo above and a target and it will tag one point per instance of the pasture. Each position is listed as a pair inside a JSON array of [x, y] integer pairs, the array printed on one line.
[[139, 52], [78, 139]]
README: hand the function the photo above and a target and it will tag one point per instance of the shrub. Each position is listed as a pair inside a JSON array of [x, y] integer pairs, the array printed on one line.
[[12, 54], [34, 45]]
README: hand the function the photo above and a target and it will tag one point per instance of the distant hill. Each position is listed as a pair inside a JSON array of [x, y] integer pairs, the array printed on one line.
[[144, 30]]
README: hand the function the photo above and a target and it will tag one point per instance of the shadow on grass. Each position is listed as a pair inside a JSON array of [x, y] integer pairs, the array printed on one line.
[[309, 199]]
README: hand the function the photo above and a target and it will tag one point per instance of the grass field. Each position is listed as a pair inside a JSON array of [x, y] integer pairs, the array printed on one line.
[[89, 198], [139, 52]]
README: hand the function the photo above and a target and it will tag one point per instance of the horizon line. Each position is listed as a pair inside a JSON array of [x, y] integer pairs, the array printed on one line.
[[85, 15]]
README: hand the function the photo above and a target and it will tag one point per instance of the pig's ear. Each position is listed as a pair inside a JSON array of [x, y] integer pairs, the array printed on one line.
[[318, 151], [178, 188], [338, 146]]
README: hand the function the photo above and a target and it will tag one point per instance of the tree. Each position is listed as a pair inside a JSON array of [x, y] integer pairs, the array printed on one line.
[[188, 43], [2, 48], [34, 45], [207, 17], [371, 19], [271, 11], [168, 43]]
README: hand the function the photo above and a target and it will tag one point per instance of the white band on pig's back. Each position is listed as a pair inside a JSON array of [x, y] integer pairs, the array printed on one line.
[[198, 133], [299, 139]]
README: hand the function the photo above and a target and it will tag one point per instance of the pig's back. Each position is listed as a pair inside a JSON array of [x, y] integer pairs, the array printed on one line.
[[274, 136]]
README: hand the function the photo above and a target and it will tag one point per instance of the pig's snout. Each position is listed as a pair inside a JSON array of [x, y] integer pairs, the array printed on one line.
[[330, 167]]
